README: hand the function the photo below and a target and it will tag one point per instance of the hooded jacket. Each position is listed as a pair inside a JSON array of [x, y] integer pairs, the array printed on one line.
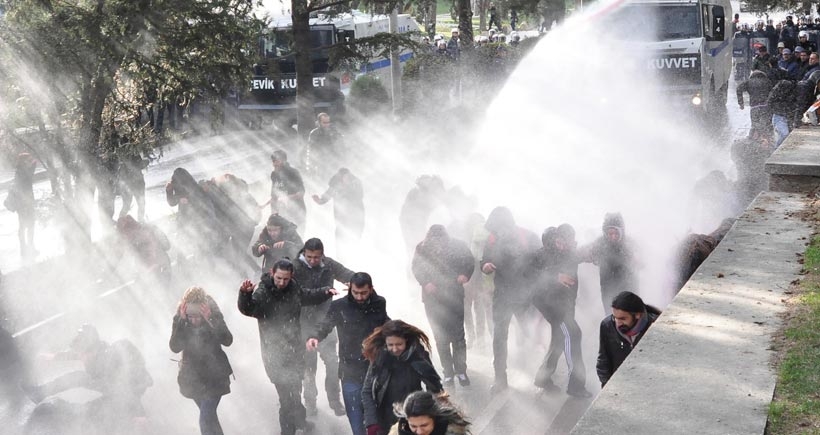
[[353, 322], [277, 312], [615, 260], [758, 86], [510, 249], [440, 260], [613, 347]]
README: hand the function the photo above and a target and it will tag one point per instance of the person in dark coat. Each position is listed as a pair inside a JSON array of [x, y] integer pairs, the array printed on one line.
[[424, 414], [276, 304], [195, 215], [277, 240], [199, 332], [419, 203], [355, 317], [149, 245], [782, 103], [614, 254], [758, 87], [21, 200], [132, 184], [507, 254], [325, 148], [287, 190], [345, 189], [237, 214], [621, 331], [314, 272], [695, 249], [116, 370], [399, 365], [555, 270], [442, 265], [493, 18]]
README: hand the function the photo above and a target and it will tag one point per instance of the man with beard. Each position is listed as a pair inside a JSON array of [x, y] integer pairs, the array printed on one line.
[[507, 254], [442, 266], [315, 272], [556, 271], [276, 304], [621, 332], [325, 148], [354, 317], [614, 255]]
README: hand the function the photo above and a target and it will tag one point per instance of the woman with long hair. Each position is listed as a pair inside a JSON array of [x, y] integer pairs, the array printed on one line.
[[399, 365], [199, 332], [423, 414]]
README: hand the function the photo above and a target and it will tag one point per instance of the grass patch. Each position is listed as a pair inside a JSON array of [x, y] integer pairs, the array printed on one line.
[[795, 408]]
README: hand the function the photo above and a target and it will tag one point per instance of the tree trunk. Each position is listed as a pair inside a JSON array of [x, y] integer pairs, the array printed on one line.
[[465, 24], [304, 68]]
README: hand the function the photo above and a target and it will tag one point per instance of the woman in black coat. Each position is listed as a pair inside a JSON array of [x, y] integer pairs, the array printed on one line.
[[199, 332], [399, 365]]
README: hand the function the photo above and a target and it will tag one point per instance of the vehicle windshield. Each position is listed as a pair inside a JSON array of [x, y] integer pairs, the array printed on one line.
[[279, 43], [653, 22]]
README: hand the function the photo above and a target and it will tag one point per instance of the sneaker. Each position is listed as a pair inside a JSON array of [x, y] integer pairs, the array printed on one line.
[[463, 380], [337, 408], [548, 386], [498, 387], [579, 393], [448, 382]]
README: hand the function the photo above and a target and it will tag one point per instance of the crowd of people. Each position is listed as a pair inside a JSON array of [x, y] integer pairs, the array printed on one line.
[[785, 71]]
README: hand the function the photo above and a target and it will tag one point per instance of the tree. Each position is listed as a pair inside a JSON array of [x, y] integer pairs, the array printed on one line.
[[97, 59]]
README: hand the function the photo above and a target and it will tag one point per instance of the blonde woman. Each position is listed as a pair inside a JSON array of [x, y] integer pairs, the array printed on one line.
[[199, 332]]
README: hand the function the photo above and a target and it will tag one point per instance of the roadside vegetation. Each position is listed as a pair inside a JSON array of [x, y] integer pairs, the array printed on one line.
[[795, 408]]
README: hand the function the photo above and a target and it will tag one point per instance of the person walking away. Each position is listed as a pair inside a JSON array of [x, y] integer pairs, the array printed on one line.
[[399, 365], [132, 184], [758, 87], [442, 265], [621, 331], [276, 304], [199, 331], [316, 272], [354, 317]]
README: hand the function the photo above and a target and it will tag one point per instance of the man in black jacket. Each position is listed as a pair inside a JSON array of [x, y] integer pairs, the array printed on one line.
[[442, 266], [276, 304], [354, 317], [758, 87], [507, 255], [314, 271], [621, 332], [287, 190]]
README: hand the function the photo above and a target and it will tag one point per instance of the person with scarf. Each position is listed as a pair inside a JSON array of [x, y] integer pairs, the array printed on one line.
[[399, 365], [199, 332], [621, 332], [442, 265]]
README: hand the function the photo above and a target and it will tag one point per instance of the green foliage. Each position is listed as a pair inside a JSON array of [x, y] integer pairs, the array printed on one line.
[[368, 95], [796, 405]]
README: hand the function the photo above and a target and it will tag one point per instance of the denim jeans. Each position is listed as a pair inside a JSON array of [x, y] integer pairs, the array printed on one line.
[[781, 128], [352, 395], [208, 420]]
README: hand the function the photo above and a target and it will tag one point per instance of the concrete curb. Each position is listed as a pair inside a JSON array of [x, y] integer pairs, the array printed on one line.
[[705, 366]]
